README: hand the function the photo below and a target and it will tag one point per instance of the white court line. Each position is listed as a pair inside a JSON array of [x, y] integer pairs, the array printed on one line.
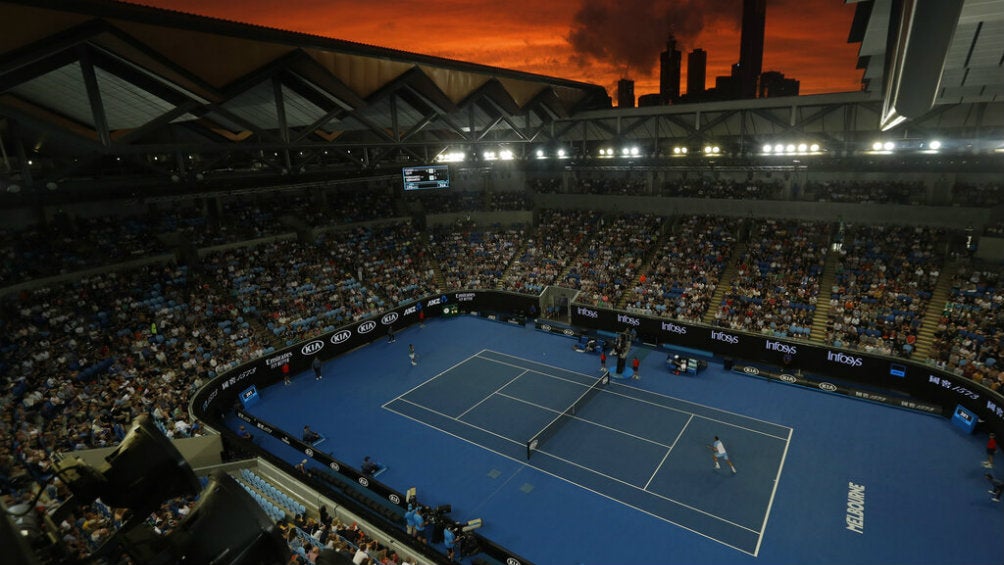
[[559, 477], [655, 494], [642, 489], [448, 417], [712, 408], [666, 456], [485, 399], [574, 417], [770, 504], [651, 403], [441, 373]]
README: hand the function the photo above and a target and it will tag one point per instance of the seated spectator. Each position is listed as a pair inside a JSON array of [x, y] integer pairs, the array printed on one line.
[[370, 467], [309, 435]]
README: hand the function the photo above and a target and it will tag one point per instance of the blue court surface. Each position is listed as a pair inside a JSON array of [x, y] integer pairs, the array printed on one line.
[[630, 477]]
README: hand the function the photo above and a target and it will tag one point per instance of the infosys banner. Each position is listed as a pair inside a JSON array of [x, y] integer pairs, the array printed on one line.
[[220, 394], [919, 380]]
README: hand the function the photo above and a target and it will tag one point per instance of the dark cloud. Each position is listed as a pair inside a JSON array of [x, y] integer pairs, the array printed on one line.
[[630, 34]]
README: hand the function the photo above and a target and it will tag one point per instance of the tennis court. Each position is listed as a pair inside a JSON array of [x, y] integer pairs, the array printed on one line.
[[644, 450]]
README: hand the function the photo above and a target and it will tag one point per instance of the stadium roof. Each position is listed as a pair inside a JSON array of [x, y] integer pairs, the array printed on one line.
[[924, 53], [82, 77]]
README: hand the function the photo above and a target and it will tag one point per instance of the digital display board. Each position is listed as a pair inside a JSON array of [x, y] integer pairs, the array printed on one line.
[[426, 177]]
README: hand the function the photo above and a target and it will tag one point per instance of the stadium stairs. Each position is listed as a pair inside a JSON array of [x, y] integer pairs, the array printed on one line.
[[666, 230], [820, 319], [939, 298], [724, 284]]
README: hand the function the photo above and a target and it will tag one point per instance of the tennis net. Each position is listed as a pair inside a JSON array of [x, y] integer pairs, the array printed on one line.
[[552, 427]]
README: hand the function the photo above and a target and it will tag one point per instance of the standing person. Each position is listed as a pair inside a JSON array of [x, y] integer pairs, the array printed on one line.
[[991, 449], [317, 368], [390, 334], [718, 452], [412, 355], [285, 374], [634, 367], [603, 360], [995, 487], [421, 318]]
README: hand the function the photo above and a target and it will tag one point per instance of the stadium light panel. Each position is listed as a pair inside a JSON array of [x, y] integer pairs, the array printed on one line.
[[767, 148]]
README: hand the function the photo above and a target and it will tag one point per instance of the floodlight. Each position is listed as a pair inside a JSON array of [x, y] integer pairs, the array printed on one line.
[[888, 146], [778, 148], [561, 153], [814, 147], [790, 148], [707, 149], [143, 471], [505, 155], [935, 144], [877, 146], [802, 147], [634, 151], [767, 147], [715, 149], [540, 153], [625, 151], [227, 528]]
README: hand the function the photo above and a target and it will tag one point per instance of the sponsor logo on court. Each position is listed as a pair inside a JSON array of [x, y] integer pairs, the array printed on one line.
[[512, 561], [340, 337], [751, 370], [278, 360], [264, 428], [366, 327], [394, 498], [389, 318], [364, 481], [312, 347], [568, 332], [855, 508], [308, 452], [410, 310], [334, 466], [545, 327], [828, 386], [465, 297], [587, 312], [788, 378]]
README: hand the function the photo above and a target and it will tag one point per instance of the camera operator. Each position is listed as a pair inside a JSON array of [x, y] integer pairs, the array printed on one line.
[[450, 535]]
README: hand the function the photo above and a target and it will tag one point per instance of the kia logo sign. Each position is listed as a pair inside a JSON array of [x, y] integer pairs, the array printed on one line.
[[366, 327], [364, 481], [308, 452], [334, 466], [546, 328], [568, 332], [340, 337], [512, 561], [312, 347], [827, 386], [389, 318], [751, 370], [394, 498], [788, 378]]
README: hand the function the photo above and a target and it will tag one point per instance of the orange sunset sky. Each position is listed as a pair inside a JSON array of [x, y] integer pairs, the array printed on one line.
[[594, 41]]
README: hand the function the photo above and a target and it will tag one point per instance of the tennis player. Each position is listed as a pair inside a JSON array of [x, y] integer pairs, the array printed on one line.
[[718, 452]]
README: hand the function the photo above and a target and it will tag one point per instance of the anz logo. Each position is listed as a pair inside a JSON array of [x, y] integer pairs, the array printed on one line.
[[340, 337], [366, 327], [389, 318], [312, 347]]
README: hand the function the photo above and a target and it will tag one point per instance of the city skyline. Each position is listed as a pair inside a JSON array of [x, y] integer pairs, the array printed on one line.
[[598, 42]]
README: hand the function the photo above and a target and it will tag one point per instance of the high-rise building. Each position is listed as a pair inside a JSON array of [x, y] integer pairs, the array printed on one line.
[[697, 70], [751, 46], [774, 83], [669, 72], [625, 93]]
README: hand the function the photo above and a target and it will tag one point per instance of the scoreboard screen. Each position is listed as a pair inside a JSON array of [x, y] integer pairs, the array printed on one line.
[[426, 177]]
